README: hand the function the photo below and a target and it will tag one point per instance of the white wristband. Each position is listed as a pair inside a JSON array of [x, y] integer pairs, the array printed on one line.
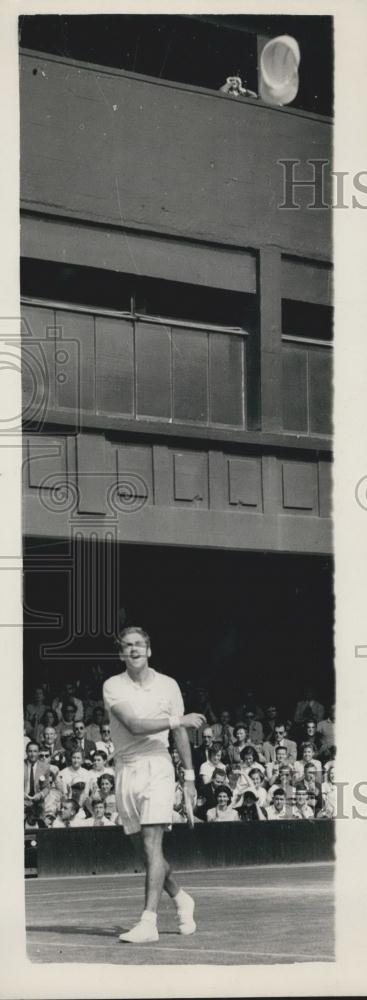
[[189, 774], [174, 721]]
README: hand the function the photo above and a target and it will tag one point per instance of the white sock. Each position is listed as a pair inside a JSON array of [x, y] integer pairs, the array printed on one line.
[[149, 916], [181, 898]]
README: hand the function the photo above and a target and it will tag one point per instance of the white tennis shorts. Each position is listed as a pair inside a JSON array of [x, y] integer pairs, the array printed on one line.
[[144, 792]]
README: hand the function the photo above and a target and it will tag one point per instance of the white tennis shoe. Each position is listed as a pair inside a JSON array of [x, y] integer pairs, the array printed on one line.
[[185, 915], [142, 933]]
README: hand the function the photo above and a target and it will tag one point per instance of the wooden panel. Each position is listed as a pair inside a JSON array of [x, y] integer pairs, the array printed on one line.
[[75, 372], [46, 460], [153, 370], [320, 390], [94, 146], [114, 365], [135, 467], [294, 394], [270, 339], [226, 379], [286, 517], [92, 474], [38, 361], [325, 488], [191, 477], [306, 281], [154, 257], [300, 485], [244, 482], [190, 375]]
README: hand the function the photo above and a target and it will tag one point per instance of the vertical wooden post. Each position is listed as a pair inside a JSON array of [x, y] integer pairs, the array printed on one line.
[[270, 338]]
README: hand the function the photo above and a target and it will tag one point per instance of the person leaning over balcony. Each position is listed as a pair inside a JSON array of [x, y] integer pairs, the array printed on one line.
[[234, 88]]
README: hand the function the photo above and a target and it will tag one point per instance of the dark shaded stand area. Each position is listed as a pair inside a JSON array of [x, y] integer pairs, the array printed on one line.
[[231, 621]]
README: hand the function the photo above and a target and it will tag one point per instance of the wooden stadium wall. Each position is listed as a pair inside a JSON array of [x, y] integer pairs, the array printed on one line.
[[98, 851], [137, 175], [120, 149]]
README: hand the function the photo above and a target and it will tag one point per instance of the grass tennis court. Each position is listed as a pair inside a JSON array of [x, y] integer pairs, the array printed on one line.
[[248, 915]]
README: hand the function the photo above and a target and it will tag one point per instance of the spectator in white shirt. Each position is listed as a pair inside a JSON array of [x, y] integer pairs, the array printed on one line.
[[70, 815], [74, 774], [106, 741], [208, 767], [278, 809], [98, 818], [302, 809], [329, 794], [223, 812], [307, 757], [284, 780], [256, 776], [98, 768]]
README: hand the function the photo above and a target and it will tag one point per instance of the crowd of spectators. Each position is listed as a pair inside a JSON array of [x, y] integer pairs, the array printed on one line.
[[251, 764]]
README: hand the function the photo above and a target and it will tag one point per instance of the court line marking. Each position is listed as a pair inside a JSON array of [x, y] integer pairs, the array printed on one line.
[[237, 891], [183, 871], [196, 951]]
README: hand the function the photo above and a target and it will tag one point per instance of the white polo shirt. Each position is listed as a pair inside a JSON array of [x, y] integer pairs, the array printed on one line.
[[160, 697]]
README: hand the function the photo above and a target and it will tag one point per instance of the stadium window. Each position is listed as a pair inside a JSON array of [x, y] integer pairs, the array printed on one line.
[[307, 332]]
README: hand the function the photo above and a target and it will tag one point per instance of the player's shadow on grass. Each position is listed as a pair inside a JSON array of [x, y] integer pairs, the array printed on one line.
[[90, 931], [64, 929]]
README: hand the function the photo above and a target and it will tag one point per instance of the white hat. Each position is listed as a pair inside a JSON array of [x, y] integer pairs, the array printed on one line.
[[279, 62]]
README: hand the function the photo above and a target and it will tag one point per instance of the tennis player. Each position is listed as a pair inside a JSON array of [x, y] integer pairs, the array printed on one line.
[[143, 706]]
